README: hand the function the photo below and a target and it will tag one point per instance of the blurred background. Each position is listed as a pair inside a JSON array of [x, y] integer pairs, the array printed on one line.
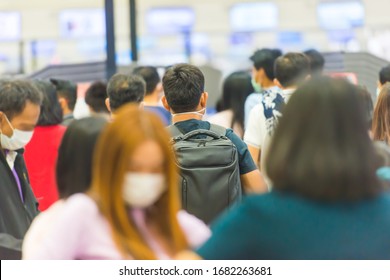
[[73, 39]]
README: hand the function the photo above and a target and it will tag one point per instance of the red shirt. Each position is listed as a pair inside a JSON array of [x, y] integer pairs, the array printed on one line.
[[41, 159]]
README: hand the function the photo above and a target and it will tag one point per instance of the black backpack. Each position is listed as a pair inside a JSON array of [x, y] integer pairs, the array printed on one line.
[[209, 171]]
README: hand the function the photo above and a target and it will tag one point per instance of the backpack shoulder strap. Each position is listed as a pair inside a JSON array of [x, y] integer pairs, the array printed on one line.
[[220, 130], [174, 131]]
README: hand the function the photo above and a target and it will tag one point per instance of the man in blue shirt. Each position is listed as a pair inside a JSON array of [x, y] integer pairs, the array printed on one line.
[[186, 99], [153, 92]]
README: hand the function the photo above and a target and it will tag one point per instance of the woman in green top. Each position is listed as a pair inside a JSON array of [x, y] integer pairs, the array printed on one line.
[[327, 202]]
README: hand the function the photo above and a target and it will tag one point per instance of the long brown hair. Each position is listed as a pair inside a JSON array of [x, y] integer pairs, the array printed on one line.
[[130, 128], [381, 119], [321, 148]]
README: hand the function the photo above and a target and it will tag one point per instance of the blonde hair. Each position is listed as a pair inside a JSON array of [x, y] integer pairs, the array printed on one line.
[[129, 130]]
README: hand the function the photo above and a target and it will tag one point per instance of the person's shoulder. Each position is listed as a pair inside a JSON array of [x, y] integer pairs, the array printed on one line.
[[196, 231], [186, 219], [274, 94], [253, 97], [82, 204], [265, 201], [80, 199], [257, 111], [232, 136], [384, 199], [258, 108]]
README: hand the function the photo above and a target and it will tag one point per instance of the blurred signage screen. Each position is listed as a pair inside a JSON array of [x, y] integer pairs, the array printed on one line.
[[170, 20], [10, 26], [340, 14], [77, 23], [250, 17]]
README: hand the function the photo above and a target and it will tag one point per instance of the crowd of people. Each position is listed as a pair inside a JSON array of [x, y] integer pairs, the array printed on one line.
[[295, 164]]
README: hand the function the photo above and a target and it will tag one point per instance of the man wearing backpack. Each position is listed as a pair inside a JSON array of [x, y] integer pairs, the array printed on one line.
[[203, 150]]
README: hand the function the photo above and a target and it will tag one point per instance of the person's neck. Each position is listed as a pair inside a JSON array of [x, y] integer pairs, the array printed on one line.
[[152, 99], [185, 117], [67, 112], [266, 84]]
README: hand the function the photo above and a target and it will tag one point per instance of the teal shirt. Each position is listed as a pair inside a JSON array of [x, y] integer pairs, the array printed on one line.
[[284, 226]]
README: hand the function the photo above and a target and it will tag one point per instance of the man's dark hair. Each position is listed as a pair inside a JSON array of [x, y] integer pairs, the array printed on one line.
[[75, 155], [66, 89], [292, 69], [51, 113], [265, 58], [123, 89], [95, 97], [14, 95], [183, 86], [384, 75], [321, 149], [317, 61], [150, 76]]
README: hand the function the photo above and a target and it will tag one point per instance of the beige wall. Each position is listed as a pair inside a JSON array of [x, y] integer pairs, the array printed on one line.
[[40, 21]]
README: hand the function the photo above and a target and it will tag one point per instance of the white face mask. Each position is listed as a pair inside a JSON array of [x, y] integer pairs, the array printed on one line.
[[141, 190], [18, 140], [255, 85], [199, 113]]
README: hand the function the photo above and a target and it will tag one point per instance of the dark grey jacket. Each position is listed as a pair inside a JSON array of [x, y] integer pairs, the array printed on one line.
[[15, 215]]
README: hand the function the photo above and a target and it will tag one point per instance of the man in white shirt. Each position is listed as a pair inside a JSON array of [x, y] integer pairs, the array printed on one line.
[[262, 77], [291, 70]]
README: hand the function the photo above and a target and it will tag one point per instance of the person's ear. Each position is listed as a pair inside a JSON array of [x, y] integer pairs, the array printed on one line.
[[260, 74], [203, 99], [63, 103], [107, 101], [165, 103], [141, 105], [254, 72], [277, 83], [379, 85], [5, 125]]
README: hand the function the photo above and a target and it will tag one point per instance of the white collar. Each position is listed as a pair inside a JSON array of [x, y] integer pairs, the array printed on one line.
[[10, 157]]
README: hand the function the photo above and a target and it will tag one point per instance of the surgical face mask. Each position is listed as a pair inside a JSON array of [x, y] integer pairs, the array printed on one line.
[[141, 190], [18, 140], [199, 113], [255, 85]]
